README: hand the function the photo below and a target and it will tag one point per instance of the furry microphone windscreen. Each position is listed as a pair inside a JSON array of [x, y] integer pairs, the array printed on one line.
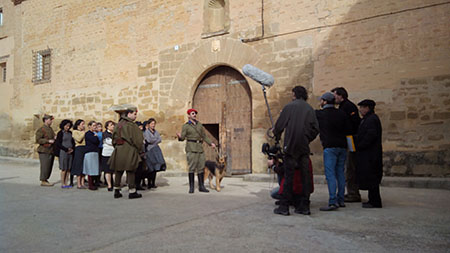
[[258, 75]]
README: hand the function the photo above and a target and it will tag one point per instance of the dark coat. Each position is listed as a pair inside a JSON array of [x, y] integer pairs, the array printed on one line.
[[92, 142], [369, 152], [352, 111], [128, 141], [299, 120], [334, 125]]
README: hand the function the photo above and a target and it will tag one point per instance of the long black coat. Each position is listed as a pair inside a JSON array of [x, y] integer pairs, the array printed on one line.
[[369, 152], [299, 120]]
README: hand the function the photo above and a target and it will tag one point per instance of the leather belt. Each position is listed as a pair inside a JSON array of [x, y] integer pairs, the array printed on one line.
[[196, 141]]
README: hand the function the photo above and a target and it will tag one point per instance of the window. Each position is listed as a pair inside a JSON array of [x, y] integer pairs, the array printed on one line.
[[215, 18], [3, 72], [1, 16], [42, 66]]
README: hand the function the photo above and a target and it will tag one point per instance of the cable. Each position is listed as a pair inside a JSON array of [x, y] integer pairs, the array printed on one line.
[[343, 23]]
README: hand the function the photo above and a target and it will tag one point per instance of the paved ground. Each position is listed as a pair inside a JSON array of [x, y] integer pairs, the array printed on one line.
[[238, 219]]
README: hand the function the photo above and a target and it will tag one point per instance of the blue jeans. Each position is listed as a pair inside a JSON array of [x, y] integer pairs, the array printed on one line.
[[334, 162]]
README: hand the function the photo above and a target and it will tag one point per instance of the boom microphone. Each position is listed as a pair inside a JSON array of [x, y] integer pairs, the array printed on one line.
[[258, 75]]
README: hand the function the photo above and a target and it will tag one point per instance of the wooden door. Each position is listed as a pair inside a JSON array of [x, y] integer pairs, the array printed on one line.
[[223, 100]]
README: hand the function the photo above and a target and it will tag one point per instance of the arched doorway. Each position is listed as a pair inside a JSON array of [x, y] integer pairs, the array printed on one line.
[[223, 99]]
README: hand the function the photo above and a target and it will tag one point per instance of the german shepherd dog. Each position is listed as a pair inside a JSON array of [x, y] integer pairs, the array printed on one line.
[[217, 169]]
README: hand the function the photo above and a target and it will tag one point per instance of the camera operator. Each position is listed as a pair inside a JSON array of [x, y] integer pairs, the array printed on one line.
[[299, 121]]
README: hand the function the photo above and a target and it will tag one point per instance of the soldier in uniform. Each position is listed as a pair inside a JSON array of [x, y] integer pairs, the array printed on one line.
[[194, 134], [45, 137], [127, 140]]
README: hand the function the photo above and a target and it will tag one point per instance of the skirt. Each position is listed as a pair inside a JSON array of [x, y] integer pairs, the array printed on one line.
[[90, 164], [65, 160], [78, 160], [105, 165]]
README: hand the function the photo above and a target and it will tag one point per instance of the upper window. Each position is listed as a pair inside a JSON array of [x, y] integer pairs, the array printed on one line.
[[42, 66], [215, 19]]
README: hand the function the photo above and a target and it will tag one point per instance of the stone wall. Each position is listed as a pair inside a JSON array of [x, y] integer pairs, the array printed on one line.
[[152, 54]]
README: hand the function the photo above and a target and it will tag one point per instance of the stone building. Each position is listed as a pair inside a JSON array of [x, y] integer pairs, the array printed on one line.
[[74, 59]]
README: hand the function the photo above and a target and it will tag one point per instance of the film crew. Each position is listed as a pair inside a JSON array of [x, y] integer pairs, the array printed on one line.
[[45, 137], [128, 141], [341, 98], [194, 134], [298, 121], [334, 125], [369, 154]]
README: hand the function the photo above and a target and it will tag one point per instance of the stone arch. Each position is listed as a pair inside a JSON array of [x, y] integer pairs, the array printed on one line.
[[232, 53]]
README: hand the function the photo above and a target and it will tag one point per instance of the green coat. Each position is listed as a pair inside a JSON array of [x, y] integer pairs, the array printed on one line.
[[43, 135], [126, 156], [195, 133]]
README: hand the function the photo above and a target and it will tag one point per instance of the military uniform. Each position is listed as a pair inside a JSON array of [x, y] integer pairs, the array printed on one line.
[[46, 157], [127, 142], [195, 135]]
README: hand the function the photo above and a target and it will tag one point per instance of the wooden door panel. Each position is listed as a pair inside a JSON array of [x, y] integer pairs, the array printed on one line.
[[223, 97]]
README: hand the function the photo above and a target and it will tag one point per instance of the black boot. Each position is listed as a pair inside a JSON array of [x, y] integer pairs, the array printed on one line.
[[153, 180], [134, 195], [282, 210], [201, 186], [191, 182], [117, 194], [303, 207]]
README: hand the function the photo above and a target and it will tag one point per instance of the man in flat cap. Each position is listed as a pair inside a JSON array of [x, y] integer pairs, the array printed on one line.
[[369, 154], [127, 141], [194, 134], [45, 137], [334, 125]]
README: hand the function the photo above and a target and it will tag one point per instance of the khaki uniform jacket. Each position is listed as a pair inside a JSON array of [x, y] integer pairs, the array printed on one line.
[[43, 135], [125, 157], [191, 132]]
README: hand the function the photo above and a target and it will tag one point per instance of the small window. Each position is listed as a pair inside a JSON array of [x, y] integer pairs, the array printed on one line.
[[3, 72], [215, 18], [42, 66], [1, 16]]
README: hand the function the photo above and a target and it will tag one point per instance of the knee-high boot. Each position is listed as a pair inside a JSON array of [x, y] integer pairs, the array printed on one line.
[[201, 186], [91, 184], [191, 182]]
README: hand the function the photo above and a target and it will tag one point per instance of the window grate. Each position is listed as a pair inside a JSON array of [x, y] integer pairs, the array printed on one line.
[[42, 66]]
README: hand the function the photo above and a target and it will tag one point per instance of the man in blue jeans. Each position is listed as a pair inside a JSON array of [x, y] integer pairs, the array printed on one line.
[[334, 125]]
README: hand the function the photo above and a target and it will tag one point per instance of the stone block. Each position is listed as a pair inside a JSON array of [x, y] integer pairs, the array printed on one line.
[[292, 43], [431, 170], [397, 115], [441, 115], [398, 170], [108, 101], [412, 115], [436, 137], [143, 72]]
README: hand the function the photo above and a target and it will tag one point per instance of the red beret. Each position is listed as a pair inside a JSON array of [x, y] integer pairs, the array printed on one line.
[[191, 110]]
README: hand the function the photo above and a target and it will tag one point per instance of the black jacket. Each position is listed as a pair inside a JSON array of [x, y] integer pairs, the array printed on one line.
[[369, 152], [299, 120], [334, 125], [92, 142], [352, 111]]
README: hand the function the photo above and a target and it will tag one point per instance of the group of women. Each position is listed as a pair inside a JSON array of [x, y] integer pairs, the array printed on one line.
[[84, 153]]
